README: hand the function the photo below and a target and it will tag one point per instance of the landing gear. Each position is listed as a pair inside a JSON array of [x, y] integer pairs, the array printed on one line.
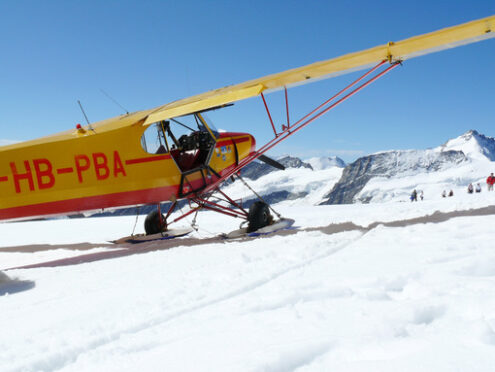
[[154, 223], [259, 216]]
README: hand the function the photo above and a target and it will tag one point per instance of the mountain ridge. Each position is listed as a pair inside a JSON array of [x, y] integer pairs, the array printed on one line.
[[393, 164]]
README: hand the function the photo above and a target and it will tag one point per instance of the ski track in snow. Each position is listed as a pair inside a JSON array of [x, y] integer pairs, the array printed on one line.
[[63, 358], [389, 296]]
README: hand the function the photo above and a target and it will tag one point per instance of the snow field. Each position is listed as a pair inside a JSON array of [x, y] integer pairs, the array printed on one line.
[[420, 297], [67, 231]]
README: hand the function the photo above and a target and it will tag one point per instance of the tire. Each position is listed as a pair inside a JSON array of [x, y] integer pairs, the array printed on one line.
[[152, 223], [259, 216]]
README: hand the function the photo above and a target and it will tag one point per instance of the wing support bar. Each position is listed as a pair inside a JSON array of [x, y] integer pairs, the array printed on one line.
[[289, 129], [269, 116]]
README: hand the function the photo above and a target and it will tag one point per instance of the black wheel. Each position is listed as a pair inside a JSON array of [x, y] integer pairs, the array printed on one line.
[[153, 224], [259, 216]]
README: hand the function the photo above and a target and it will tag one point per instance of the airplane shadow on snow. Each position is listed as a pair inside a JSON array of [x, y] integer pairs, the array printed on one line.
[[121, 250], [11, 286]]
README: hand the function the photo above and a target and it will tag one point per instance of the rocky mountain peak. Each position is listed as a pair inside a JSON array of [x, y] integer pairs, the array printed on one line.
[[473, 144], [389, 164], [257, 169], [293, 162]]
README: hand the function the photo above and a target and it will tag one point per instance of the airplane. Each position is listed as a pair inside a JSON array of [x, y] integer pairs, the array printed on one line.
[[173, 152]]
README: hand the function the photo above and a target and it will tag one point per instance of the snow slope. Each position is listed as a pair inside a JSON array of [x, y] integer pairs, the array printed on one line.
[[415, 298], [307, 185], [393, 175], [381, 189]]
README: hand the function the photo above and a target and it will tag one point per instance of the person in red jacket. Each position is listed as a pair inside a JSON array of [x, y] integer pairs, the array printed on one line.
[[490, 181]]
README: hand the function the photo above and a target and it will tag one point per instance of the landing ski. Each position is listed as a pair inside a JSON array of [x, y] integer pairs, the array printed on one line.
[[165, 235], [282, 224]]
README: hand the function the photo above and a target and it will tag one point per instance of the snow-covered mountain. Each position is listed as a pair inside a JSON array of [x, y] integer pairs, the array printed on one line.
[[257, 169], [391, 164], [300, 182], [473, 144], [380, 177], [320, 163], [392, 175]]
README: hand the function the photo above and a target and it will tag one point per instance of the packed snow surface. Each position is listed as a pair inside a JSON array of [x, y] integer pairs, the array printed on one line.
[[415, 298]]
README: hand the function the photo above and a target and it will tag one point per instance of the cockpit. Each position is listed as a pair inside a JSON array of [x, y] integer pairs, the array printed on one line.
[[189, 140]]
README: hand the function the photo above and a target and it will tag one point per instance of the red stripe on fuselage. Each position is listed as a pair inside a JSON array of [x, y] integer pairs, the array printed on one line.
[[120, 199], [4, 178], [147, 196], [229, 141], [147, 159]]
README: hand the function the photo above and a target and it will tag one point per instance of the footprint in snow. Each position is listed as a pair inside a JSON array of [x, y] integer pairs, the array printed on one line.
[[427, 315]]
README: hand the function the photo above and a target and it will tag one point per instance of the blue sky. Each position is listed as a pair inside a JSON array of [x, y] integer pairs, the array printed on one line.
[[147, 53]]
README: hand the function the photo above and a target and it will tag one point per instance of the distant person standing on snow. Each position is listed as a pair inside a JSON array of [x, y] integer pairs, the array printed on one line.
[[421, 195], [478, 187], [444, 194], [490, 181], [451, 193], [414, 196], [470, 188]]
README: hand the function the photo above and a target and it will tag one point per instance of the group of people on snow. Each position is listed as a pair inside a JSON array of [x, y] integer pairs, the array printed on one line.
[[471, 188], [444, 193], [414, 195], [490, 181]]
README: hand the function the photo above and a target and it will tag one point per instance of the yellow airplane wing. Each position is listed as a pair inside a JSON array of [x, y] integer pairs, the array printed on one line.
[[393, 51]]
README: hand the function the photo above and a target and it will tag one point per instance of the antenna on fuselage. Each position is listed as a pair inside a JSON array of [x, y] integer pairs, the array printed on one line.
[[114, 101], [85, 116]]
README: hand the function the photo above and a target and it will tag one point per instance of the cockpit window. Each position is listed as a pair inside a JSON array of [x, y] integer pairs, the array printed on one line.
[[189, 139], [153, 140]]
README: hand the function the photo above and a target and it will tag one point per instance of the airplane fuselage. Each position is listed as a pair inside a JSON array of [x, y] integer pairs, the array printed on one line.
[[85, 170]]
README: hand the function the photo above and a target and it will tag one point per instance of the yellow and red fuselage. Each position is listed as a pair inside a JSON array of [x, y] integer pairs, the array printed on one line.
[[83, 170]]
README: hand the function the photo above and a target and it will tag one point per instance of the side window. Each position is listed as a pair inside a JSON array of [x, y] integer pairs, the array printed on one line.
[[153, 141]]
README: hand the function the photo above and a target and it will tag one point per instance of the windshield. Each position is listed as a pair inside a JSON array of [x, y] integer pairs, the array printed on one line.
[[212, 127], [184, 133]]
